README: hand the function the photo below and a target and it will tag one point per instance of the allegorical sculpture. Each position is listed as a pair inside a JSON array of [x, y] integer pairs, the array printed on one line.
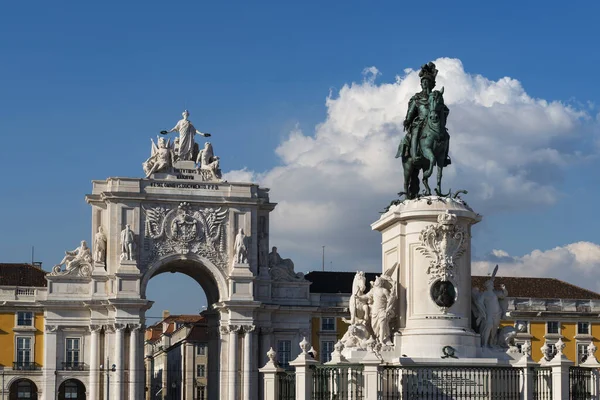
[[100, 246], [240, 248], [127, 243], [162, 157], [488, 307], [282, 269], [208, 163], [426, 142], [187, 131], [372, 313], [77, 262]]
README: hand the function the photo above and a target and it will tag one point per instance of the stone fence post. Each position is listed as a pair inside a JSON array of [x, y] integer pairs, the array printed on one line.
[[528, 365], [304, 374], [270, 371], [560, 372], [592, 363], [371, 364]]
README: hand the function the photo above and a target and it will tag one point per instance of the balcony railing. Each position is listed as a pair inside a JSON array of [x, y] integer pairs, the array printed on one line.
[[73, 366], [25, 366]]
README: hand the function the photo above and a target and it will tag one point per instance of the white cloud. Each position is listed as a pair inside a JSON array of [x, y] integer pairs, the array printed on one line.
[[505, 145], [575, 263]]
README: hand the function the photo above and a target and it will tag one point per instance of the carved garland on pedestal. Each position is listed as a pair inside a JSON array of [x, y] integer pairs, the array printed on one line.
[[443, 244], [185, 230]]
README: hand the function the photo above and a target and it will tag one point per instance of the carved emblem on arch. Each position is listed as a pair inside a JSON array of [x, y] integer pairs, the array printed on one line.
[[186, 229]]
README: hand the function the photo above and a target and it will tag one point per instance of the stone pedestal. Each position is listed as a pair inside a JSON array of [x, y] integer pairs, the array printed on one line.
[[430, 240]]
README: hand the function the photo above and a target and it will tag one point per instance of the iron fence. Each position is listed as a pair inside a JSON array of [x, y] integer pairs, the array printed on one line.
[[338, 382], [286, 383], [542, 383], [581, 383], [424, 383]]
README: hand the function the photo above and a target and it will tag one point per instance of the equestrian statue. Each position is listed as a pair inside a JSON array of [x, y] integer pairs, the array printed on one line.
[[426, 142]]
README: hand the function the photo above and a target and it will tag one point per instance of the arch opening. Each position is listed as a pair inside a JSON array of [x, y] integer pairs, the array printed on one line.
[[208, 276], [71, 389], [23, 389]]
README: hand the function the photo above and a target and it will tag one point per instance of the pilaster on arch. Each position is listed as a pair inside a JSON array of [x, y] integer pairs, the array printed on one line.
[[169, 263]]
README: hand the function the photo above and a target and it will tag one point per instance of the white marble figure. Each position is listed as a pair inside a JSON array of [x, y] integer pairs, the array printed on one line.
[[186, 131], [282, 269], [381, 300], [488, 307], [162, 157], [207, 161], [100, 246], [76, 262], [127, 242], [240, 248], [358, 306]]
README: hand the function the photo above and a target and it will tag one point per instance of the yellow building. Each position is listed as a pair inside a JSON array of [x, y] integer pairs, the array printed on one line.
[[21, 330]]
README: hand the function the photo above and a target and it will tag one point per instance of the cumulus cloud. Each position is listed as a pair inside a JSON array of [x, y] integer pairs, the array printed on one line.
[[505, 145], [575, 263]]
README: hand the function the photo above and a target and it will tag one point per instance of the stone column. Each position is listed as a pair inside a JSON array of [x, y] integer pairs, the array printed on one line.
[[50, 362], [117, 388], [233, 361], [93, 386], [248, 329], [134, 372]]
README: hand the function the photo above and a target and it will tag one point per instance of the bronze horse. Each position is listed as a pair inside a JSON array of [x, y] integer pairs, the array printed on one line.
[[433, 148]]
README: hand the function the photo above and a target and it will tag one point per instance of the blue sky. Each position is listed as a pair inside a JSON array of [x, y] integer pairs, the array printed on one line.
[[83, 86]]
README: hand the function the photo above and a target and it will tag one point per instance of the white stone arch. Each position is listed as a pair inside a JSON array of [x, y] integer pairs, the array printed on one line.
[[196, 267]]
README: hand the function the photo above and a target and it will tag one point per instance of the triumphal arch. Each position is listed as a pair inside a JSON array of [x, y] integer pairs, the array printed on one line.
[[181, 217]]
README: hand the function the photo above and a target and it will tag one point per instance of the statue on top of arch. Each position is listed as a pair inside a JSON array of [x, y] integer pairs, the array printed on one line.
[[166, 156]]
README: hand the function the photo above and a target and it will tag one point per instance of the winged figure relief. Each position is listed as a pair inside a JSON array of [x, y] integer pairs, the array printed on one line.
[[212, 221], [155, 221]]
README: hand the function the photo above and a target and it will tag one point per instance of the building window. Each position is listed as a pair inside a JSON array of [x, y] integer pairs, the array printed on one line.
[[71, 391], [284, 352], [72, 346], [552, 327], [328, 324], [201, 370], [201, 349], [23, 351], [326, 350], [582, 352], [583, 328], [524, 324], [24, 389], [201, 393], [24, 318]]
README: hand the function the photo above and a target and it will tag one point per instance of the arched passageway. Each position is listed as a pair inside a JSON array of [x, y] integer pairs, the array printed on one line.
[[198, 342], [23, 389], [71, 389]]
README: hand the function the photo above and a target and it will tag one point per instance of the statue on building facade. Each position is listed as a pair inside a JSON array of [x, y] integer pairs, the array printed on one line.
[[76, 262], [127, 243], [100, 246], [426, 142], [187, 131], [282, 269], [207, 161], [488, 307], [240, 248], [162, 157]]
